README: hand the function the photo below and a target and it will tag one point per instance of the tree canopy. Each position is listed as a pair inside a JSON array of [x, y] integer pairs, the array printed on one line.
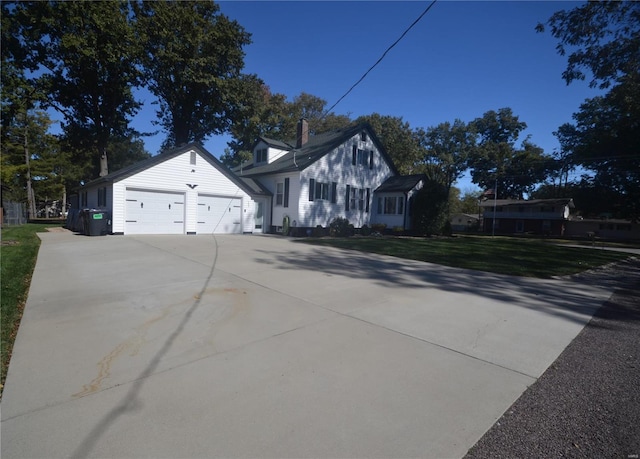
[[192, 58], [496, 162], [604, 39], [84, 55]]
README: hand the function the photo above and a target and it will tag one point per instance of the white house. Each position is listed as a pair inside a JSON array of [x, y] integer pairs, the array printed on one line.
[[182, 191], [321, 177], [303, 184]]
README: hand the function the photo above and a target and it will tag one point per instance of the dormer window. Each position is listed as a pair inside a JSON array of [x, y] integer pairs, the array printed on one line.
[[261, 155]]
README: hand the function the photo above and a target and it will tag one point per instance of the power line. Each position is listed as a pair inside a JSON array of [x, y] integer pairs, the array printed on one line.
[[380, 59]]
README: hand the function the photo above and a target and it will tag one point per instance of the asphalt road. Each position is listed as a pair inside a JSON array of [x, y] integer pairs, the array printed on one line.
[[587, 404]]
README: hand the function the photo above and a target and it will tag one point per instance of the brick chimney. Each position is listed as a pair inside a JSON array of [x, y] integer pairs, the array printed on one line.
[[302, 134]]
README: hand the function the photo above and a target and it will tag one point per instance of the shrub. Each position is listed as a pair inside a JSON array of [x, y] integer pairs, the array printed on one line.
[[378, 228], [318, 231], [340, 227], [365, 230]]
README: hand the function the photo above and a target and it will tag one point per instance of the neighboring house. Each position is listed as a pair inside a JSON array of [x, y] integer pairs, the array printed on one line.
[[319, 178], [182, 191], [464, 222], [536, 216], [604, 228]]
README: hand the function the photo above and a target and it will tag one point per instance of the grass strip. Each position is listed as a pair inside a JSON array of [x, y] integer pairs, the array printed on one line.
[[18, 254], [501, 255]]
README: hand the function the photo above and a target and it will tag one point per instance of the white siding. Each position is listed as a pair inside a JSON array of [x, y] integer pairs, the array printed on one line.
[[390, 220], [175, 175], [278, 212], [337, 167], [272, 152]]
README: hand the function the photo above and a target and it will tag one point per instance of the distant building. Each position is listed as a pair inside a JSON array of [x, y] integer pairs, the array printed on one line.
[[536, 216], [464, 222]]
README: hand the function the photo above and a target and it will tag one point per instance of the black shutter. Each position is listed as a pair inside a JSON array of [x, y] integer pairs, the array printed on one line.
[[354, 153], [371, 159], [286, 192], [312, 187], [346, 201], [368, 196], [334, 192]]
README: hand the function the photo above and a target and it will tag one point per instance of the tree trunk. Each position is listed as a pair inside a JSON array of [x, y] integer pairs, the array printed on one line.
[[31, 205], [104, 167]]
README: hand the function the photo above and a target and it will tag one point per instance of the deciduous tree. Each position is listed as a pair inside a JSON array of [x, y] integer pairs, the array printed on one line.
[[193, 57]]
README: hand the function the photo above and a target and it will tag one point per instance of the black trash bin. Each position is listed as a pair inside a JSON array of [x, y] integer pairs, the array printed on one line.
[[96, 222]]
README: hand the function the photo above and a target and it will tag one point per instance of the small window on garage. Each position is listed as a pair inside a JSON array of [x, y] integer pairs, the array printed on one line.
[[102, 197], [193, 158]]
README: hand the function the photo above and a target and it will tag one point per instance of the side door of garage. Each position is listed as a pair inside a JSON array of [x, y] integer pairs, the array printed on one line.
[[154, 212], [219, 215]]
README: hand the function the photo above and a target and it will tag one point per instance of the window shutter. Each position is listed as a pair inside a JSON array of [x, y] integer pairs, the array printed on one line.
[[346, 201], [366, 209], [312, 187], [371, 159], [354, 153], [334, 192], [286, 192]]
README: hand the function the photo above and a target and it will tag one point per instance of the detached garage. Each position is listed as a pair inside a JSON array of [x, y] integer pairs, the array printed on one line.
[[181, 191]]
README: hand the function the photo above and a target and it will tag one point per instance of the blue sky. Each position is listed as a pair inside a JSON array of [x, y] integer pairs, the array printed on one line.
[[461, 60]]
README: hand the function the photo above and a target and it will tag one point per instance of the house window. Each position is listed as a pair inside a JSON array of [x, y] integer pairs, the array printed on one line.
[[192, 159], [261, 155], [361, 157], [322, 191], [391, 205], [498, 209], [360, 199], [279, 193], [363, 136], [102, 197], [352, 203]]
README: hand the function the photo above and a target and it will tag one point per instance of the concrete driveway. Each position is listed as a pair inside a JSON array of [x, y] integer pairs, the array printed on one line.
[[259, 346]]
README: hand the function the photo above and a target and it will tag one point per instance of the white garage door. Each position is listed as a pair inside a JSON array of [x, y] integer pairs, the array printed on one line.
[[154, 212], [219, 215]]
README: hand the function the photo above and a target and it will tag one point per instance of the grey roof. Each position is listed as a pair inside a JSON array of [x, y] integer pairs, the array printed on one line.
[[297, 159], [400, 183], [274, 143], [252, 189], [530, 202]]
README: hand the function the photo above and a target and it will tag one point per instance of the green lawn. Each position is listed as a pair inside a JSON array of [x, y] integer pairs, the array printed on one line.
[[17, 259], [503, 255]]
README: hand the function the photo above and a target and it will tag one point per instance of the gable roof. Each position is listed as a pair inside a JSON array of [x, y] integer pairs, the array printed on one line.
[[248, 186], [297, 159], [273, 143], [400, 183], [529, 203]]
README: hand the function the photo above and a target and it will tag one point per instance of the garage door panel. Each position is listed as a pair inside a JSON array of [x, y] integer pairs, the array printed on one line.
[[154, 212], [219, 214]]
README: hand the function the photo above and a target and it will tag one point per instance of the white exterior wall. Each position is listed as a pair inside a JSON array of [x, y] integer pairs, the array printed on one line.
[[390, 220], [337, 166], [174, 175], [272, 152], [278, 212]]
